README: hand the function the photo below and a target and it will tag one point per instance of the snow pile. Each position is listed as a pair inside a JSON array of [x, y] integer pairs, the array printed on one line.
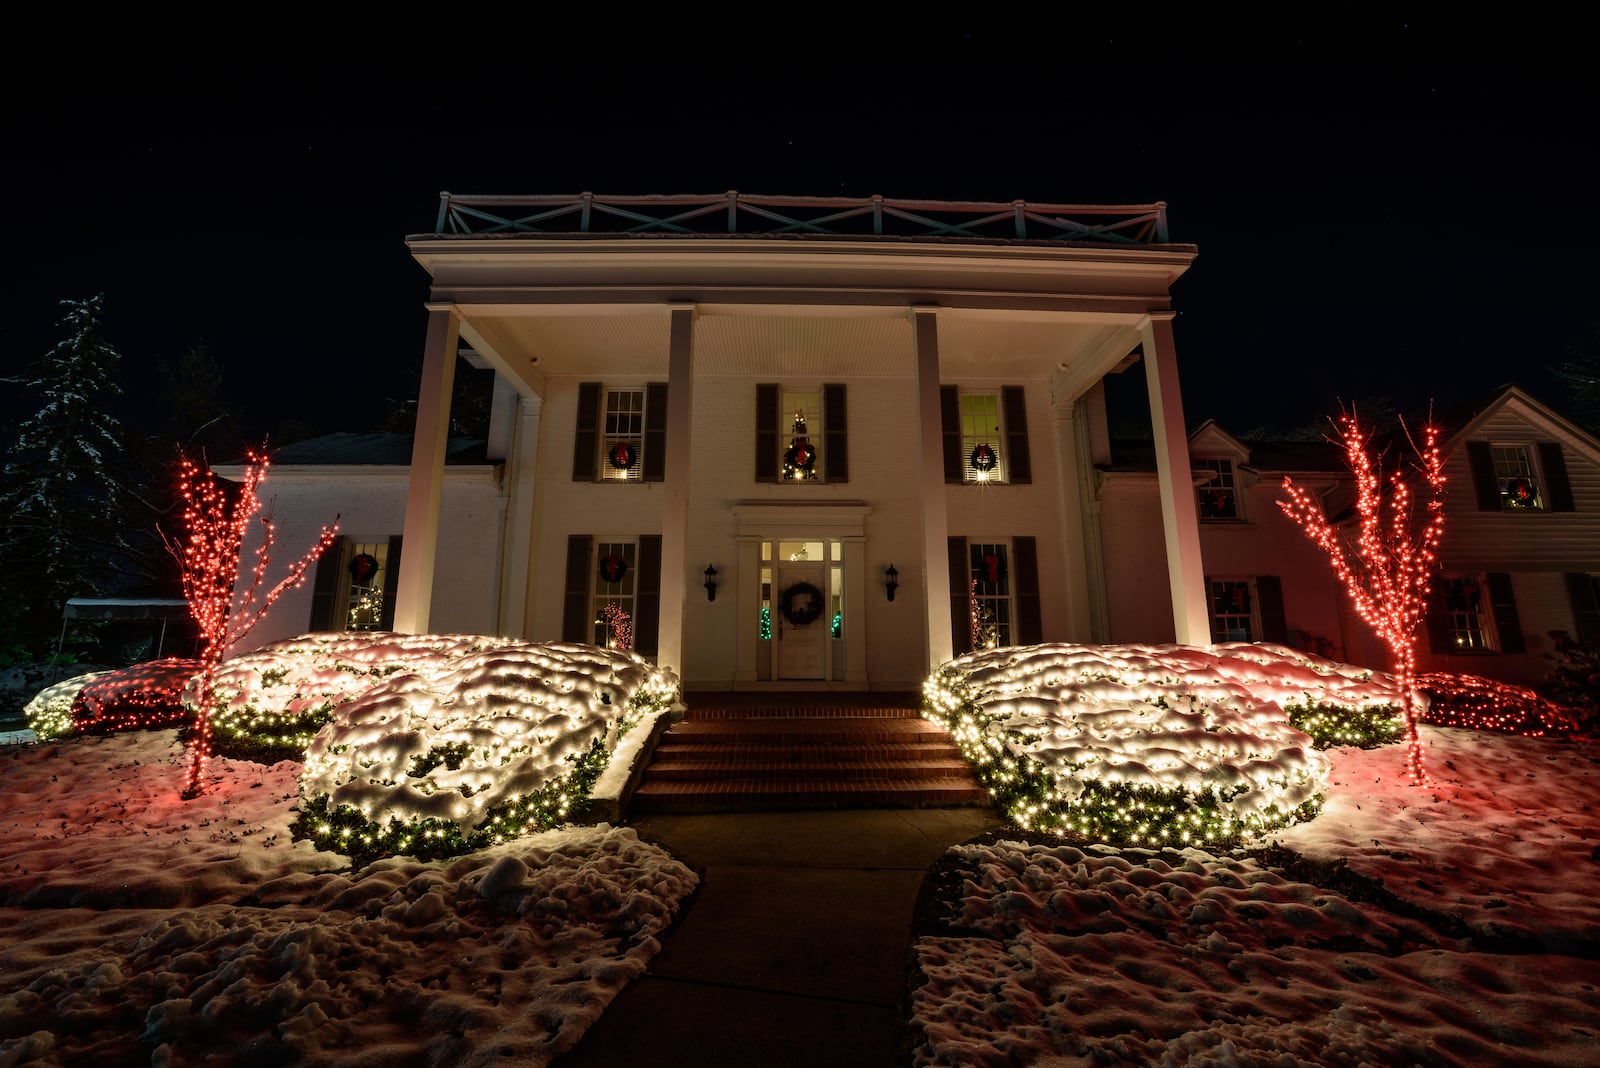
[[1142, 743], [1179, 957], [482, 745], [49, 713], [139, 928]]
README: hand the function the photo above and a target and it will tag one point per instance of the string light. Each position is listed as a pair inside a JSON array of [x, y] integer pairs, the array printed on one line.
[[215, 524], [1388, 565], [621, 624]]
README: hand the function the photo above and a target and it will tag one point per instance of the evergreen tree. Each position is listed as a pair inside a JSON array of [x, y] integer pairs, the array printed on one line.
[[62, 497]]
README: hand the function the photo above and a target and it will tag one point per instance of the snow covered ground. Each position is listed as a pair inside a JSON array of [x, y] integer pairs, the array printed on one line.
[[1448, 925], [1453, 925]]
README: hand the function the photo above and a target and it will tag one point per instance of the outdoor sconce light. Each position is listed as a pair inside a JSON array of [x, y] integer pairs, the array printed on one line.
[[892, 582], [711, 582]]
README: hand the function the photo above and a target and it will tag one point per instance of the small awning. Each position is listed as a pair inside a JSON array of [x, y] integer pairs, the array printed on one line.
[[125, 608]]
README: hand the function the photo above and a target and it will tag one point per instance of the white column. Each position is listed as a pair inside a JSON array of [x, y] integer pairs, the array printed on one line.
[[517, 550], [1179, 521], [935, 520], [856, 592], [675, 488], [1075, 560], [414, 593]]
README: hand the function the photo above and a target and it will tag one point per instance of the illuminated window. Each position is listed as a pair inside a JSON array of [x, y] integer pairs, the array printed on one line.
[[1217, 497], [1465, 604], [622, 435], [800, 458], [614, 585], [990, 589], [1516, 478], [365, 568], [982, 457], [1230, 606]]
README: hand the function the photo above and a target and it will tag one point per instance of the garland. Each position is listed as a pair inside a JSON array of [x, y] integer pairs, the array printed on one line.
[[801, 604]]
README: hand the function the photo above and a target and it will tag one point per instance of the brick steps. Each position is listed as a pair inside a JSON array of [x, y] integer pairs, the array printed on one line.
[[804, 755]]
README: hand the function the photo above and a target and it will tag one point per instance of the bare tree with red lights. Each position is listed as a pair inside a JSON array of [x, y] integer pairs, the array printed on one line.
[[216, 523], [1387, 562]]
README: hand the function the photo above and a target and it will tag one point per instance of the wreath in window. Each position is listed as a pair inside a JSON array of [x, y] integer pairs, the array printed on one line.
[[613, 567], [1522, 493], [620, 455], [801, 604], [362, 567], [984, 459], [800, 457]]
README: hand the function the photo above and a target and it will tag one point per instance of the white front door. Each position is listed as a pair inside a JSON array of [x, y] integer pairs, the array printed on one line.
[[801, 592]]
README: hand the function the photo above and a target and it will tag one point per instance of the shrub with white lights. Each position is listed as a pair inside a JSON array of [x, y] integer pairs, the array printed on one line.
[[1166, 745], [460, 752], [271, 702], [49, 714]]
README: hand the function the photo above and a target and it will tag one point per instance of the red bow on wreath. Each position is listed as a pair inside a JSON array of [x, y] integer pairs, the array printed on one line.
[[991, 564], [621, 456], [613, 567]]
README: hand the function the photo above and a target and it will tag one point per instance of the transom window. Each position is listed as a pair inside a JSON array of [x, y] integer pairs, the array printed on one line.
[[1217, 497], [1228, 601], [1464, 605], [614, 594], [980, 438], [989, 591], [622, 438], [1514, 473]]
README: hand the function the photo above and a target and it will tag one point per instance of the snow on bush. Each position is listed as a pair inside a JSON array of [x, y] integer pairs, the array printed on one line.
[[467, 748], [49, 714], [1147, 743], [272, 700], [137, 697]]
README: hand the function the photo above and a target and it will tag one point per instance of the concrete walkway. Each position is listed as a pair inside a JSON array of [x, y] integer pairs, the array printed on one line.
[[795, 950]]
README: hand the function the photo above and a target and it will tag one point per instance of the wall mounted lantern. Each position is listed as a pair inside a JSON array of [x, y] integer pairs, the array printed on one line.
[[892, 581], [711, 582]]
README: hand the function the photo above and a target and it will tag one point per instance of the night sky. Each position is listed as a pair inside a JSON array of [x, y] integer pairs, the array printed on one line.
[[1386, 202]]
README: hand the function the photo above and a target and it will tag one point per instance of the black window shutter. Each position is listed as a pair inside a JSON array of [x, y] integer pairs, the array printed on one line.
[[835, 434], [766, 433], [647, 597], [1557, 487], [1025, 574], [586, 439], [577, 625], [950, 429], [960, 594], [391, 582], [1019, 465], [1269, 599], [325, 585], [1437, 622], [1483, 481], [1585, 606], [1504, 606], [655, 432]]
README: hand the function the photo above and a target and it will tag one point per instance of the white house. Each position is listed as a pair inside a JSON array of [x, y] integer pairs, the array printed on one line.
[[792, 440]]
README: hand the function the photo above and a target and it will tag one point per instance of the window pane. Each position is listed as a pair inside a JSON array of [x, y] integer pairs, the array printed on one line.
[[1463, 607], [1229, 602], [800, 436], [1216, 497], [622, 440], [364, 577], [1513, 471], [980, 437], [613, 594], [989, 592]]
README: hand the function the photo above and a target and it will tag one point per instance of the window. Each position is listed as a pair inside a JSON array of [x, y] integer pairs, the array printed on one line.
[[989, 592], [985, 435], [1520, 477], [1514, 476], [1228, 602], [801, 458], [801, 434], [622, 436], [1217, 497], [614, 607], [1464, 624], [354, 585], [980, 438]]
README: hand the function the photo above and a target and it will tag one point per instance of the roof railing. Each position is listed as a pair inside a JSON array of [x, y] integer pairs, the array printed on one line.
[[737, 213]]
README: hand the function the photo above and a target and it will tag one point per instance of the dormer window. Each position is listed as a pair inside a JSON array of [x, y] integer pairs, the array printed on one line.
[[1217, 497]]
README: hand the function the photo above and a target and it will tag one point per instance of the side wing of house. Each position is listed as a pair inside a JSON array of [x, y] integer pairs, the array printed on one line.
[[1521, 550]]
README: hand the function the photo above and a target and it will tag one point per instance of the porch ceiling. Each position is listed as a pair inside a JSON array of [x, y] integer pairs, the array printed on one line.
[[635, 345]]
